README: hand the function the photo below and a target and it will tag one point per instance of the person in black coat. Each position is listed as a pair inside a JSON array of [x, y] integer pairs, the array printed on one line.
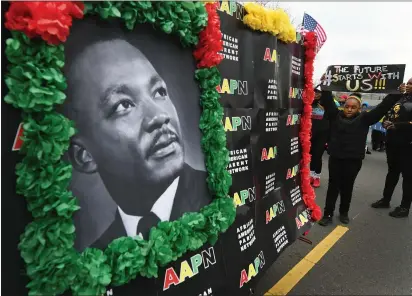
[[319, 138], [349, 129], [398, 123]]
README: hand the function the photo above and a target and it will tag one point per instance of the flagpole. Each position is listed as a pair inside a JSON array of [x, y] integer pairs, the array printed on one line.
[[303, 17], [299, 30]]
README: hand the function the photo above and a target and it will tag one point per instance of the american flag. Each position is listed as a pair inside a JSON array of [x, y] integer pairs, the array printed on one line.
[[310, 25]]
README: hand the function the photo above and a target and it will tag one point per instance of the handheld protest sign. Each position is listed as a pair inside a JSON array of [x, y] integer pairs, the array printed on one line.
[[364, 78]]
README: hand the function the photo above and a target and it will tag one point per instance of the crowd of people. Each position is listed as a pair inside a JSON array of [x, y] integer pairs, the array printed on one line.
[[341, 126]]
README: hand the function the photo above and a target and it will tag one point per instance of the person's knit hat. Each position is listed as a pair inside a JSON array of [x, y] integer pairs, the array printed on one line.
[[356, 96], [317, 88]]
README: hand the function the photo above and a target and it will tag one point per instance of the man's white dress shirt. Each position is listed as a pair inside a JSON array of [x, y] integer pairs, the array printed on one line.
[[162, 208]]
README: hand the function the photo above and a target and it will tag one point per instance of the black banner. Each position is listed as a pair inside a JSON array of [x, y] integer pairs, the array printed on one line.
[[266, 64], [237, 86], [364, 79], [261, 93]]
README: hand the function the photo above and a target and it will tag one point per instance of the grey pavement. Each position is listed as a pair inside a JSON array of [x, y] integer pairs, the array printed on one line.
[[373, 258]]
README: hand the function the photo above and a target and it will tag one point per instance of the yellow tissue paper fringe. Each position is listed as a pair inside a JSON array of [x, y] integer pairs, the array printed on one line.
[[276, 22]]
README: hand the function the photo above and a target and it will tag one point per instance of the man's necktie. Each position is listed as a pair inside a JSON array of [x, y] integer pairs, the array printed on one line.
[[146, 223]]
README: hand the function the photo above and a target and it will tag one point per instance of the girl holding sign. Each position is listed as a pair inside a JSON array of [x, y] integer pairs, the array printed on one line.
[[349, 129]]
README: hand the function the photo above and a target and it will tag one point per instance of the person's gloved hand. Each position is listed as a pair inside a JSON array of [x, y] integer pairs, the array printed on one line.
[[388, 125], [402, 88]]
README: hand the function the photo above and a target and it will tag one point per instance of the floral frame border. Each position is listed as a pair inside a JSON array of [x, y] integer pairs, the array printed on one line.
[[36, 85]]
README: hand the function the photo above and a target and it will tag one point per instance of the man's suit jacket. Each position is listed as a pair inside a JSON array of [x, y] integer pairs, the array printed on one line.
[[191, 195]]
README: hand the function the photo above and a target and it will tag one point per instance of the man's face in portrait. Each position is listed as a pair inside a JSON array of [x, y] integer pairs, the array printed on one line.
[[128, 128]]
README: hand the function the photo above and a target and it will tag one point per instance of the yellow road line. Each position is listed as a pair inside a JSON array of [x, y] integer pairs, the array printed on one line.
[[286, 284]]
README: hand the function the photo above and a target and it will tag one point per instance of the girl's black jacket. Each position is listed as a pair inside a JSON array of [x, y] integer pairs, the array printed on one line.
[[348, 135]]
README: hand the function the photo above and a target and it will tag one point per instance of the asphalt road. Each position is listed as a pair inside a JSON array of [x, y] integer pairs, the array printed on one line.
[[373, 258]]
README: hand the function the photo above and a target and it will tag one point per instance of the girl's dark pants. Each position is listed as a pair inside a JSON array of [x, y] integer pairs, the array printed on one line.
[[342, 176]]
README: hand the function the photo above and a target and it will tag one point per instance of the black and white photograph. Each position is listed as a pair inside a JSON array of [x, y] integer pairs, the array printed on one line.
[[136, 155]]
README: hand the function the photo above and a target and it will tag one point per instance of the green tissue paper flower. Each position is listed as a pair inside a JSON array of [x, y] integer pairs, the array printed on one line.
[[47, 248], [176, 234], [126, 256], [185, 19], [105, 9], [161, 245], [21, 49], [138, 12], [150, 268], [34, 79], [195, 223], [214, 138], [46, 137], [45, 188], [34, 180], [62, 204], [220, 215], [94, 274]]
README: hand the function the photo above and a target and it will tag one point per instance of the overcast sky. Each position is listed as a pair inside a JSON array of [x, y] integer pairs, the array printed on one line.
[[360, 32]]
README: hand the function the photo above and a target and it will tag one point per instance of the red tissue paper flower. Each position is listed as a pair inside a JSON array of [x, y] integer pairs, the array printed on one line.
[[210, 40], [305, 127], [50, 20]]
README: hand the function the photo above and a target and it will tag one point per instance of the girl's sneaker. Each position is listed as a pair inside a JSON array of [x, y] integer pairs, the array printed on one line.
[[326, 220]]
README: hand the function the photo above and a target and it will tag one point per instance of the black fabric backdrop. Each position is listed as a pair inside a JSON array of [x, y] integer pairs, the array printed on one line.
[[263, 148]]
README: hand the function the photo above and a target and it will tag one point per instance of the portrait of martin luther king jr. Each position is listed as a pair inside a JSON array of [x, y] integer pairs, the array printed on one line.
[[128, 135]]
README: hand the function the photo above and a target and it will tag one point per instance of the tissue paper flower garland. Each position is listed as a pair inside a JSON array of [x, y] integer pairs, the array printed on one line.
[[36, 84], [275, 22], [306, 127]]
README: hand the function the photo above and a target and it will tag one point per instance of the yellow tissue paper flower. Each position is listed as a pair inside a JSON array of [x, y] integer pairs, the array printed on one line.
[[275, 22]]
